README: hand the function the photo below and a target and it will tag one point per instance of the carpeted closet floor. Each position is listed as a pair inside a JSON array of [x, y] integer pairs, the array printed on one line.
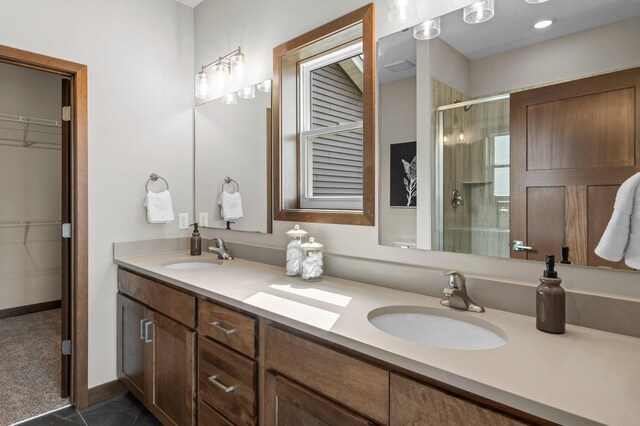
[[29, 366]]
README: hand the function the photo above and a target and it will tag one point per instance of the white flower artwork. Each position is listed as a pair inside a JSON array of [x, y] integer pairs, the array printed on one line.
[[403, 174], [410, 182]]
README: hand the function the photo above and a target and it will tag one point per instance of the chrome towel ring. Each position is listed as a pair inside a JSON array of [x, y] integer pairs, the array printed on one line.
[[154, 178], [228, 180]]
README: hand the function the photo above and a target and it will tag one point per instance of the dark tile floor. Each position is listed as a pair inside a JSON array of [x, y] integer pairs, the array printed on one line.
[[124, 410]]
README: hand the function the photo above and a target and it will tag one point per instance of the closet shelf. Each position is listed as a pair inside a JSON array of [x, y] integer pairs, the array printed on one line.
[[29, 132]]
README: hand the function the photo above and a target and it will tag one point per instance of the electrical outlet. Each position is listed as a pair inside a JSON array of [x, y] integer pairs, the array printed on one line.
[[183, 221], [203, 219]]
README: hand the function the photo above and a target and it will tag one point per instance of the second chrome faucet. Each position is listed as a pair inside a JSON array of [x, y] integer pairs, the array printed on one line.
[[455, 296]]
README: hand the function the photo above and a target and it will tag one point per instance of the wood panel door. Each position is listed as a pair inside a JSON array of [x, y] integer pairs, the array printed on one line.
[[572, 145], [289, 404], [131, 346], [171, 370]]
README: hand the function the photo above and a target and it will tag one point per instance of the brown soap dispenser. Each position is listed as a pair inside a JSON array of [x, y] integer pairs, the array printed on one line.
[[196, 241], [550, 300]]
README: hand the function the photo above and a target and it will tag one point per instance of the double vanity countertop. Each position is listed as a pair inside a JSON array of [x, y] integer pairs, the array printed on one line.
[[584, 376]]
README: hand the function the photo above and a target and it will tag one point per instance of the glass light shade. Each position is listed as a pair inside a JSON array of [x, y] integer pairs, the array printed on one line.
[[400, 11], [461, 136], [478, 12], [202, 85], [230, 99], [265, 86], [237, 66], [536, 1], [427, 30], [220, 72], [247, 92]]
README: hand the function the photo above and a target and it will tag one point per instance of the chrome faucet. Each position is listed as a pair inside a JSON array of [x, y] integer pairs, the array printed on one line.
[[455, 296], [221, 249]]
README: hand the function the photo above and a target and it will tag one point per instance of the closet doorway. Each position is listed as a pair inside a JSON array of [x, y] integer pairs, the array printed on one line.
[[43, 234]]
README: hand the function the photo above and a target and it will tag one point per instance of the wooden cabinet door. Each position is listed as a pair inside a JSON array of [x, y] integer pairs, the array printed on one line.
[[572, 145], [289, 404], [417, 404], [131, 346], [170, 360]]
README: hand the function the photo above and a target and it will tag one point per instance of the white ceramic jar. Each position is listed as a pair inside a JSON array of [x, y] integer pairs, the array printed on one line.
[[295, 238], [312, 260]]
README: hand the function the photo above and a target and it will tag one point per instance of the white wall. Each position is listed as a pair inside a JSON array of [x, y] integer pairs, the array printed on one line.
[[223, 24], [29, 189], [576, 55], [140, 60], [397, 115]]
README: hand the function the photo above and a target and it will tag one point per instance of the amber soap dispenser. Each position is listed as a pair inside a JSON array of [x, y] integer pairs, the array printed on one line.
[[550, 300]]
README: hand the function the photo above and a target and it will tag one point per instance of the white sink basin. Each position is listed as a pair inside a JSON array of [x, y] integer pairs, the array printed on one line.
[[191, 265], [438, 328]]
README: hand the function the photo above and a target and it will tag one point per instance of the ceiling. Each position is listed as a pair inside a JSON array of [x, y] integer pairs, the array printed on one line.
[[510, 28], [190, 3], [512, 25]]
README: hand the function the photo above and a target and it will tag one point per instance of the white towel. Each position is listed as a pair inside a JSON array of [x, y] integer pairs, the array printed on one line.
[[159, 207], [230, 205], [622, 236]]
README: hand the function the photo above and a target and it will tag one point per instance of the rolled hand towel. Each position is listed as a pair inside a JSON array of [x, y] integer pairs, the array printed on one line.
[[159, 207], [617, 241], [230, 205]]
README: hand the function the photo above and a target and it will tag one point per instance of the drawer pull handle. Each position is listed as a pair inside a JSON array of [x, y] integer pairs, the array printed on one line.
[[216, 325], [146, 332], [142, 321], [214, 379]]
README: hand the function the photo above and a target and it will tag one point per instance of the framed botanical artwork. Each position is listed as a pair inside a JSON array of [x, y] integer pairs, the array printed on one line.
[[403, 175]]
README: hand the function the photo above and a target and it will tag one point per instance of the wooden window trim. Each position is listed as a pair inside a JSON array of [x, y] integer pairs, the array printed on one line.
[[366, 217], [79, 210]]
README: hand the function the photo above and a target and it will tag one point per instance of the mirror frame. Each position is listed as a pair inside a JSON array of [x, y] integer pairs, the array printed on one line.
[[366, 17]]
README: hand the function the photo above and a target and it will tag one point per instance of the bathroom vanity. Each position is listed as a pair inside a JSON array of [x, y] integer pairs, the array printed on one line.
[[237, 342]]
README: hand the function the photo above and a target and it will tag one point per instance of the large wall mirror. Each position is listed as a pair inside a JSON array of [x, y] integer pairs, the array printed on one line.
[[510, 137], [233, 161]]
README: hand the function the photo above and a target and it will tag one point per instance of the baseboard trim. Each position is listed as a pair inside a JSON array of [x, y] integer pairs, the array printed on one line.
[[106, 391], [29, 309]]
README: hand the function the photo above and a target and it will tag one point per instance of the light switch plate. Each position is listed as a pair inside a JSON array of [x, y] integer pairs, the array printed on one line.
[[203, 219], [183, 221]]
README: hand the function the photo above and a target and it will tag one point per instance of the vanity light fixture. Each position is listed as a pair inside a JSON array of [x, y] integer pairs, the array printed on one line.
[[230, 99], [247, 92], [229, 66], [545, 23], [461, 136], [202, 85], [265, 86], [427, 30], [478, 12], [536, 1], [400, 11]]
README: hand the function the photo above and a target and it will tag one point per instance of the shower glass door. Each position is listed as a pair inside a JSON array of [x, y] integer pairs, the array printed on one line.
[[472, 157]]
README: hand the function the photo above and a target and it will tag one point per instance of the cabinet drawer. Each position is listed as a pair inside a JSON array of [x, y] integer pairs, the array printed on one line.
[[227, 382], [236, 330], [418, 404], [207, 416], [353, 383], [172, 303]]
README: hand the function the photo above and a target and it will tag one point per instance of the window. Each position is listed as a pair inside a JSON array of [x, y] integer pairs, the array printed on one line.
[[330, 117], [324, 123]]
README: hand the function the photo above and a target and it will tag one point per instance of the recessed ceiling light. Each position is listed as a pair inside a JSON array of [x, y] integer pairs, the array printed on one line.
[[540, 25]]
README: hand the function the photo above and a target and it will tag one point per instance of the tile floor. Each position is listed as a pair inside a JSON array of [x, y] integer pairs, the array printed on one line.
[[124, 410]]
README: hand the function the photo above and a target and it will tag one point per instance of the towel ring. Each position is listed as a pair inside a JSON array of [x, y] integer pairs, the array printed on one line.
[[228, 180], [154, 178]]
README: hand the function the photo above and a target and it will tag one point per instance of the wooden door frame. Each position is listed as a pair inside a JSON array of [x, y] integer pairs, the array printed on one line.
[[79, 212]]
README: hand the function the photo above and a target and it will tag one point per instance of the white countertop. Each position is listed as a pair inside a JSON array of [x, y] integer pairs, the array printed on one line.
[[584, 376]]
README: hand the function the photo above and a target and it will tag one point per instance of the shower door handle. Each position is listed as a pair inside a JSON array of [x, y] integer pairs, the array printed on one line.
[[519, 246]]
